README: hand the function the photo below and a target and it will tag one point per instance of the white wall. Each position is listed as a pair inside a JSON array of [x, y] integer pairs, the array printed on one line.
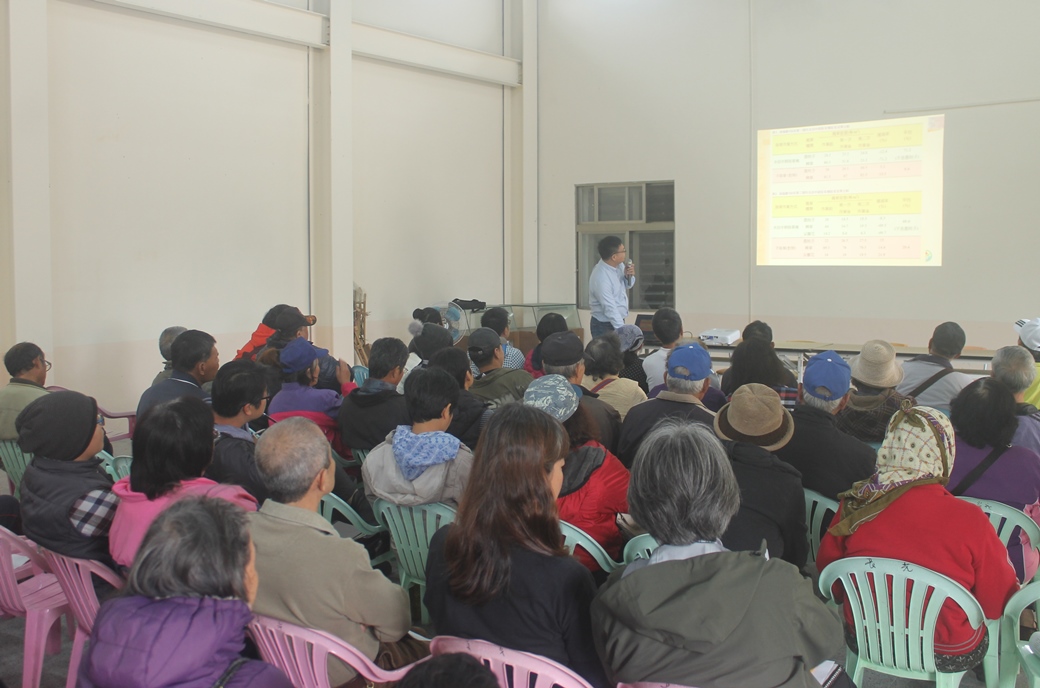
[[474, 24], [672, 89]]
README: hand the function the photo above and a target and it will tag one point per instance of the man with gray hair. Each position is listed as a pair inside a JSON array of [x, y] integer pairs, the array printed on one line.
[[309, 575], [829, 460], [1014, 366], [686, 374], [166, 349], [564, 354]]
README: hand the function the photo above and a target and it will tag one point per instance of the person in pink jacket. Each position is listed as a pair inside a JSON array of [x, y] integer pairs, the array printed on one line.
[[172, 446]]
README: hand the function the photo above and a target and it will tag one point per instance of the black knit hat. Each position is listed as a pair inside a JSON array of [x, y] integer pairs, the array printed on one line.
[[58, 426], [428, 339]]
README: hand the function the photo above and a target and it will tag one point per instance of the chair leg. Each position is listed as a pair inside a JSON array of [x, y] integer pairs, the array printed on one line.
[[54, 634], [36, 640], [77, 655], [853, 667], [951, 680]]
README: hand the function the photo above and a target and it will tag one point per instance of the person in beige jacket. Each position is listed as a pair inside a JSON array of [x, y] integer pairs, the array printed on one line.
[[309, 575], [421, 463]]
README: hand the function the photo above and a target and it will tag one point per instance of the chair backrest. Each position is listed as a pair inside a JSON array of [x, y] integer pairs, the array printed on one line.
[[525, 669], [15, 461], [360, 375], [1005, 519], [10, 546], [331, 505], [412, 528], [576, 537], [302, 653], [818, 512], [74, 577], [359, 454], [639, 547], [117, 467], [896, 628]]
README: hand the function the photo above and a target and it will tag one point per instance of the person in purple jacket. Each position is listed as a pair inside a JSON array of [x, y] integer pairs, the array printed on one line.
[[181, 618], [983, 415]]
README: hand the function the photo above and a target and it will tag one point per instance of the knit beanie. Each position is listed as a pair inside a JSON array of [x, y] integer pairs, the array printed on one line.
[[58, 426], [428, 339]]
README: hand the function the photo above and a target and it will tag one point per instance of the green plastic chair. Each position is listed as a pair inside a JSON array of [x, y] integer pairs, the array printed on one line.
[[639, 547], [15, 461], [576, 537], [344, 462], [411, 529], [359, 455], [895, 630], [331, 505], [1005, 519], [1015, 653], [818, 512], [117, 467]]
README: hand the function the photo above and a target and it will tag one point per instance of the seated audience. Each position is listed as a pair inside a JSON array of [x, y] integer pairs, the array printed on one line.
[[668, 328], [828, 459], [263, 332], [309, 575], [10, 514], [688, 369], [1029, 337], [497, 384], [452, 670], [988, 467], [874, 399], [428, 337], [471, 412], [772, 503], [181, 618], [563, 354], [166, 349], [195, 362], [930, 378], [172, 446], [292, 324], [497, 319], [1013, 365], [603, 362], [595, 484], [370, 412], [551, 323], [28, 368], [421, 464], [695, 613], [239, 396], [903, 511], [428, 315], [631, 338], [763, 332], [67, 503], [754, 360], [300, 363], [501, 571]]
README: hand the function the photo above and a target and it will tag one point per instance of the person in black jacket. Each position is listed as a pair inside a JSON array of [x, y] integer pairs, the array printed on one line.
[[239, 396], [371, 411], [772, 504], [564, 354], [471, 412]]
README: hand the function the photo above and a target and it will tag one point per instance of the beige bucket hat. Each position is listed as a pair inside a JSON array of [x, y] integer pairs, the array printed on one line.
[[756, 415], [876, 365]]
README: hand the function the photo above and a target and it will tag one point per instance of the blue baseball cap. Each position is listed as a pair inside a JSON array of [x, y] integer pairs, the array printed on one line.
[[693, 358], [827, 370], [299, 354]]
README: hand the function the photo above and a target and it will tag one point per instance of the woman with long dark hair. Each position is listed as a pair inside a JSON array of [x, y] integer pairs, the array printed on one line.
[[755, 361], [501, 571]]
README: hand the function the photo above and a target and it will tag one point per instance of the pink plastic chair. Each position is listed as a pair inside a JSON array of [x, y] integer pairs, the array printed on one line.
[[302, 653], [74, 577], [525, 665], [644, 684], [37, 597]]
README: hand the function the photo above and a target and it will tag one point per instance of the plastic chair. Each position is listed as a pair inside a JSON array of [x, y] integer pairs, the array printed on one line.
[[1006, 520], [818, 512], [522, 667], [117, 467], [576, 537], [38, 598], [302, 653], [360, 374], [1015, 652], [131, 422], [344, 462], [331, 505], [15, 462], [639, 547], [75, 578], [644, 684], [359, 455], [411, 528], [895, 629]]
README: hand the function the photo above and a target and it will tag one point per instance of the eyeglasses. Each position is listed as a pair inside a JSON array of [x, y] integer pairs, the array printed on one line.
[[267, 399], [100, 420], [46, 364], [621, 250]]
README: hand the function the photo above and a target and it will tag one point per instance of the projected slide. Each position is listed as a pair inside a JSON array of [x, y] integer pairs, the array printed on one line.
[[860, 193]]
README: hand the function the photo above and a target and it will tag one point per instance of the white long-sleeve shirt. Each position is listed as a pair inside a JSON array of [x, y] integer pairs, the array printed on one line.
[[608, 293]]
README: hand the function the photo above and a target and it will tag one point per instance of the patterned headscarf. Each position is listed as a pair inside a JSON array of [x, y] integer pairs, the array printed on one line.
[[918, 450]]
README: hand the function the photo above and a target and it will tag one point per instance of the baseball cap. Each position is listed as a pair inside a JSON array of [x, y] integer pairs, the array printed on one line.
[[562, 349], [483, 341], [1029, 332], [554, 395], [299, 354], [829, 370], [693, 358], [292, 318]]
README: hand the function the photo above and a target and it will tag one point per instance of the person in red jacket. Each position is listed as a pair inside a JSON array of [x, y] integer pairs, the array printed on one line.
[[904, 512], [595, 483]]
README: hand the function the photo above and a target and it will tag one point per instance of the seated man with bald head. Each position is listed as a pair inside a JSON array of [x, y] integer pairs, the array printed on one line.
[[309, 575]]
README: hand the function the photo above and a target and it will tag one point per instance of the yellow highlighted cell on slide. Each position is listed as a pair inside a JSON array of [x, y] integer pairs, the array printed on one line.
[[887, 203], [848, 139]]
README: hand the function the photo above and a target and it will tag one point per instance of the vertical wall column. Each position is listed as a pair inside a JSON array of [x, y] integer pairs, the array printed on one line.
[[28, 289], [530, 151], [332, 184]]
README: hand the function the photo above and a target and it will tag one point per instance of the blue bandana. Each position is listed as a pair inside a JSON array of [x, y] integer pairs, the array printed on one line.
[[415, 453]]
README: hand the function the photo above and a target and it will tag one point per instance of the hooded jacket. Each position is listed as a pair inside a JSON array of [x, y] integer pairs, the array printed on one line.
[[442, 482], [720, 620], [187, 642], [595, 491], [368, 414], [470, 414]]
